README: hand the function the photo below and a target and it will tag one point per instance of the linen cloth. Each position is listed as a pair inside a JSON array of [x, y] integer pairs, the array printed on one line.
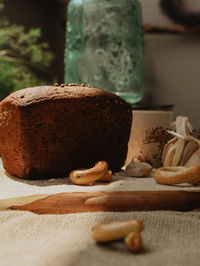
[[169, 238]]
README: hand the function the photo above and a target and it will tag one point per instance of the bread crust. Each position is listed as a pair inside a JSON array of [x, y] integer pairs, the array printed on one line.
[[48, 131]]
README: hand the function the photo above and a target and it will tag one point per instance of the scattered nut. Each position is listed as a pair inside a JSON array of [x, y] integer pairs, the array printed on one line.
[[87, 176], [134, 242], [109, 231]]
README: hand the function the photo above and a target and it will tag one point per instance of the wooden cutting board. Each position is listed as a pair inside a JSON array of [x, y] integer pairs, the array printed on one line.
[[122, 201]]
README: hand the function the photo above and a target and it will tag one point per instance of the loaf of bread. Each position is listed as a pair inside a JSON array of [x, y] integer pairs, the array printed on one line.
[[47, 131]]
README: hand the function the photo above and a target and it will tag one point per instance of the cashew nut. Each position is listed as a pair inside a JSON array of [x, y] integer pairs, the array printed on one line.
[[109, 231], [134, 242], [86, 176], [177, 174]]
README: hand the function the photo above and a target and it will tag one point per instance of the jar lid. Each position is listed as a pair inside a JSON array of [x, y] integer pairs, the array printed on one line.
[[154, 107]]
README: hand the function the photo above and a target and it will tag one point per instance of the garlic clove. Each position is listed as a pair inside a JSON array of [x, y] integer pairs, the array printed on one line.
[[138, 169], [194, 159], [179, 148], [190, 147], [168, 152]]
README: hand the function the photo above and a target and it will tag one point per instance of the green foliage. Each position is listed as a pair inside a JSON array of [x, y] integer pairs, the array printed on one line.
[[24, 60]]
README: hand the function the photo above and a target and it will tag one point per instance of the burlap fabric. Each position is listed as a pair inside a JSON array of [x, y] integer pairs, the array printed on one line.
[[170, 238]]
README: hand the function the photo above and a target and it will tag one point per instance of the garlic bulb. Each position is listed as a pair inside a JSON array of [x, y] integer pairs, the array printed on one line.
[[183, 149]]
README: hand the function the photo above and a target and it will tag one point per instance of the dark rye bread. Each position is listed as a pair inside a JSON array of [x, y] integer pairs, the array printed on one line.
[[47, 131]]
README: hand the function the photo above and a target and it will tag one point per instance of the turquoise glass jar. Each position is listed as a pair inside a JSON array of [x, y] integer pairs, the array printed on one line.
[[104, 46]]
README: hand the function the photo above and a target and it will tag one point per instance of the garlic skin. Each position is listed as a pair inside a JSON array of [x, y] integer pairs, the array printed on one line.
[[183, 149], [173, 150], [138, 169]]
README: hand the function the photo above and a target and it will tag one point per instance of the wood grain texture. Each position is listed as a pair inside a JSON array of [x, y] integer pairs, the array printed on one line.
[[122, 201]]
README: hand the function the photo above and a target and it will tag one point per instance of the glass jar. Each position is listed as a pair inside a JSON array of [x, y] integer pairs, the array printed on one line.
[[104, 46]]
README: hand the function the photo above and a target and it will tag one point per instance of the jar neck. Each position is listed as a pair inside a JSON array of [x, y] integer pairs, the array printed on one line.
[[105, 2]]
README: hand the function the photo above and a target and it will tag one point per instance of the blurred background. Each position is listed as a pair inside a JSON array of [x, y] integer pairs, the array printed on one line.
[[171, 60]]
